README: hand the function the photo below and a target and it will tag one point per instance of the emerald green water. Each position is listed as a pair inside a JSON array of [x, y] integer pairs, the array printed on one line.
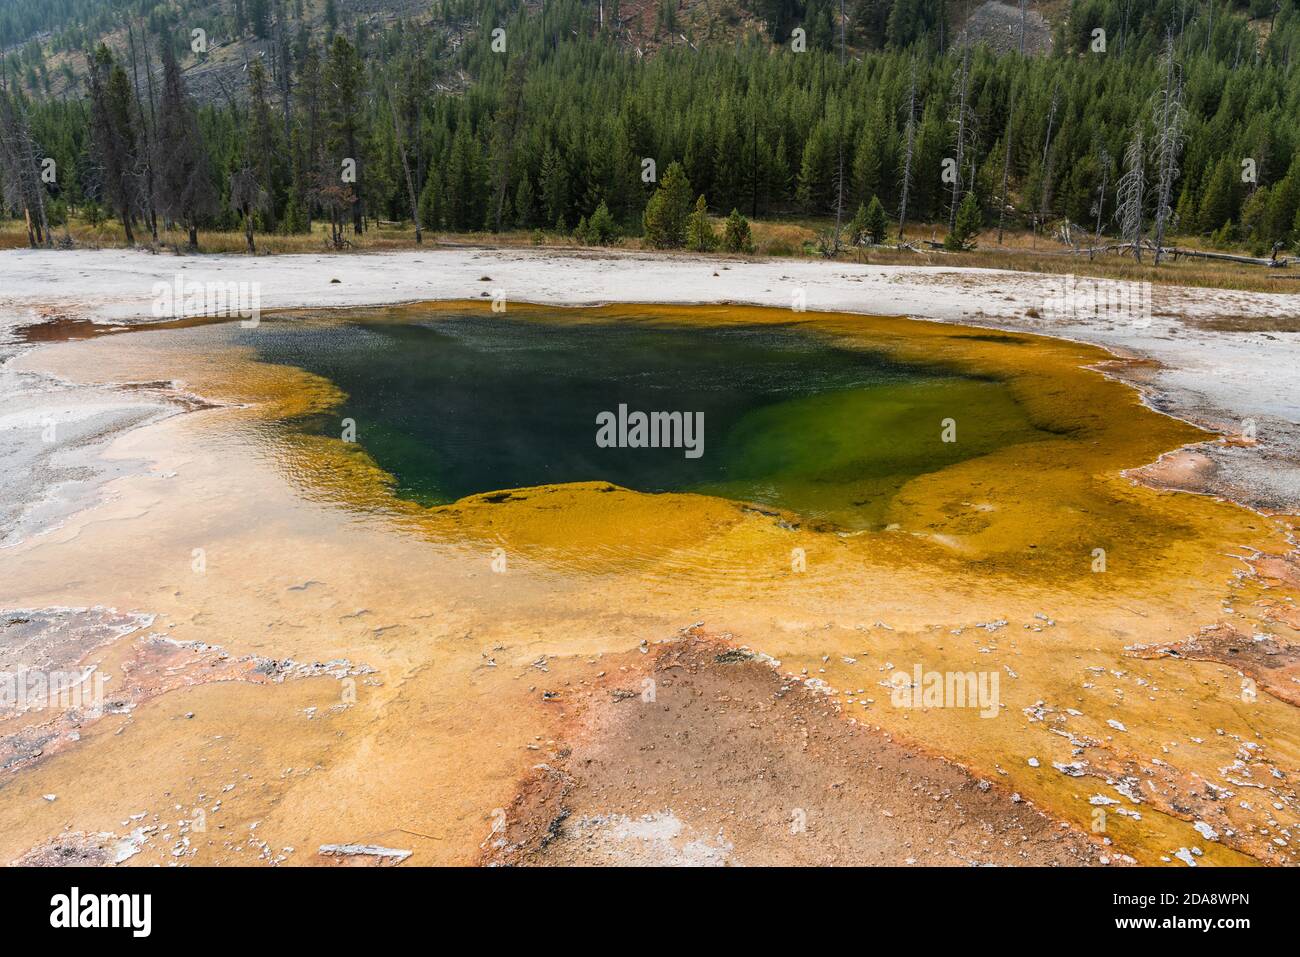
[[462, 403]]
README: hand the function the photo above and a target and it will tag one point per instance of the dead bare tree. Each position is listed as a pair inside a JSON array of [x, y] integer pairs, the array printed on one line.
[[406, 169], [1006, 135], [1131, 193], [839, 146], [146, 123], [20, 166], [1107, 164], [247, 197], [909, 148], [962, 119], [829, 242], [1170, 122], [1046, 203]]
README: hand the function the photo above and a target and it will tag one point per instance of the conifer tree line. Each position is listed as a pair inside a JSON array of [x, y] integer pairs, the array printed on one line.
[[1184, 124]]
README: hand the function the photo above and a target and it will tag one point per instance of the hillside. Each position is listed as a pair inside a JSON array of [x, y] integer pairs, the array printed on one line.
[[567, 119], [45, 44]]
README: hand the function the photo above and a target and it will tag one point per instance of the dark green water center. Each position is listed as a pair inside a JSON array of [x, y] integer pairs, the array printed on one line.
[[462, 403]]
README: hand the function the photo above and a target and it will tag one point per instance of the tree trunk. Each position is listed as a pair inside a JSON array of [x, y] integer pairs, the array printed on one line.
[[1006, 162], [963, 83], [410, 182], [907, 156]]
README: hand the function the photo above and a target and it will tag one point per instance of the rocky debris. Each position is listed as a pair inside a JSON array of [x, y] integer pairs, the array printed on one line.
[[1207, 832], [1184, 855], [365, 855], [58, 639], [82, 849], [657, 839], [55, 689], [997, 24], [1208, 807], [65, 640], [1075, 769]]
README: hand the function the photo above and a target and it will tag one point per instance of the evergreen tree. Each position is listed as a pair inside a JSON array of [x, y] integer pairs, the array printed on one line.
[[1284, 204], [931, 150], [264, 149], [867, 164], [508, 122], [259, 18], [858, 226], [431, 205], [185, 184], [308, 157], [877, 223], [966, 227], [666, 213], [736, 236], [555, 186], [113, 134], [1188, 211], [752, 130], [525, 204], [464, 185], [700, 236], [816, 190], [1219, 202], [601, 228], [344, 130]]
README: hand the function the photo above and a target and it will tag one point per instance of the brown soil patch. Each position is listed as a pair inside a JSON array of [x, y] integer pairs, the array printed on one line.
[[57, 327], [1185, 470], [732, 762], [1244, 322]]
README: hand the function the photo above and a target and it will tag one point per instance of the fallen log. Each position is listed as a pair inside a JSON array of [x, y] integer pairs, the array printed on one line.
[[1228, 257], [1177, 252]]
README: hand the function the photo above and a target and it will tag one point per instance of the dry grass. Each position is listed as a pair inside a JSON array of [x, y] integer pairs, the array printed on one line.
[[1024, 251], [1019, 253]]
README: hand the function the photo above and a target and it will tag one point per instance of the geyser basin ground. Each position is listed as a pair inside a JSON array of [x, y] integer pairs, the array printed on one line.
[[423, 687]]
